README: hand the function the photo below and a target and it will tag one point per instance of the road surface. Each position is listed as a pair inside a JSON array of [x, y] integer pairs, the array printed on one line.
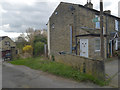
[[111, 68], [24, 77]]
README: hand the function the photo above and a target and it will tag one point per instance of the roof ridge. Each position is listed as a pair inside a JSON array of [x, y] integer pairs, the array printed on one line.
[[91, 9]]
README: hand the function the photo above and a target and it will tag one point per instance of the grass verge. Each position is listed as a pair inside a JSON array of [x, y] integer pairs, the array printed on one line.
[[57, 69]]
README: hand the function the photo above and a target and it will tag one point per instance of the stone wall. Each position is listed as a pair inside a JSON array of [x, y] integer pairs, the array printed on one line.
[[85, 65]]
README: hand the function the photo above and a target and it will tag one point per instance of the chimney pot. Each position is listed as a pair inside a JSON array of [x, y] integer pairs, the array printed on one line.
[[89, 5]]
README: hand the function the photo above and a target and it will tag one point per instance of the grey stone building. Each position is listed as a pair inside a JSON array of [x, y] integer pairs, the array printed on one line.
[[75, 29], [7, 47]]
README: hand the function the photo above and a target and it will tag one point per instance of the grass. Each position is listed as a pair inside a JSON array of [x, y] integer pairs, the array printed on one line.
[[57, 69]]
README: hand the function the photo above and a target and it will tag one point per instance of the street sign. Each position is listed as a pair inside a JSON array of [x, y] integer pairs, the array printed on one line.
[[96, 19]]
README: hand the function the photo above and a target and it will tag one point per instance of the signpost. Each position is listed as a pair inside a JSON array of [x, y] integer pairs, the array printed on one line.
[[101, 26], [97, 19]]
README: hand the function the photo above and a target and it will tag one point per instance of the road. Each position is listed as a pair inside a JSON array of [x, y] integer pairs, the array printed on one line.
[[24, 77], [111, 68]]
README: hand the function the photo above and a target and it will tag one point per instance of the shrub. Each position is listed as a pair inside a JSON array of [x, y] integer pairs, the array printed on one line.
[[28, 49], [38, 48], [40, 38]]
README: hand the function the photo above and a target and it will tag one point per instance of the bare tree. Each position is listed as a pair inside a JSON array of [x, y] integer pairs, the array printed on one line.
[[30, 35]]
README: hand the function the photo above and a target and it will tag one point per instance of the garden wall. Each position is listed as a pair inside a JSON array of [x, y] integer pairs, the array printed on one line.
[[85, 65]]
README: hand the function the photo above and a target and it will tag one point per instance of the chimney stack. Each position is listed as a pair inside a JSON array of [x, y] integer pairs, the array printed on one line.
[[89, 4]]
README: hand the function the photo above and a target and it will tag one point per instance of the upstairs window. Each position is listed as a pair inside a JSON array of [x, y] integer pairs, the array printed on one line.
[[116, 25], [7, 43], [97, 23], [53, 25], [56, 13]]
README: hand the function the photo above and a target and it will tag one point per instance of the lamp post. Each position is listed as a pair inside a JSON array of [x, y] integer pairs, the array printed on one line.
[[101, 27]]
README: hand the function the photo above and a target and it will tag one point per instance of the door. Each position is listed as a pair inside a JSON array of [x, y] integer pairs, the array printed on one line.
[[84, 47]]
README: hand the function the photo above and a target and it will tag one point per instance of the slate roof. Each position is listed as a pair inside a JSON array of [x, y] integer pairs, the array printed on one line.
[[94, 10], [2, 37]]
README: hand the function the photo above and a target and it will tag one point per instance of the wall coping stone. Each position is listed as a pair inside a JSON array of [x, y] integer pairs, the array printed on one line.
[[83, 57]]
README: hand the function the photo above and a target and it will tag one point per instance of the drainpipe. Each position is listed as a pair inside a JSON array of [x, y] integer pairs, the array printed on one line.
[[71, 39], [111, 49], [76, 45]]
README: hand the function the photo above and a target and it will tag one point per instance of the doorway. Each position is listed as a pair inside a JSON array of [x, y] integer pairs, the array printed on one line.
[[84, 47]]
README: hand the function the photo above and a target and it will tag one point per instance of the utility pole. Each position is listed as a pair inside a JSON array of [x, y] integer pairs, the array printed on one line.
[[101, 27]]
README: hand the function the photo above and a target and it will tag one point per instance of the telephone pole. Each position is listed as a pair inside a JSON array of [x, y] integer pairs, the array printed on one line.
[[101, 27]]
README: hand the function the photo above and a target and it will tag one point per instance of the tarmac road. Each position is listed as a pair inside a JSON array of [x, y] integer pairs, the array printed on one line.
[[111, 68], [23, 77]]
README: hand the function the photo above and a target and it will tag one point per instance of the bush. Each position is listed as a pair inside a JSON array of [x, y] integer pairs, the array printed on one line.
[[38, 48], [28, 49], [117, 53], [40, 38]]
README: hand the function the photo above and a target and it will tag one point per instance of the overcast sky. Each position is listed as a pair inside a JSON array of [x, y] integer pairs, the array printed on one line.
[[18, 15]]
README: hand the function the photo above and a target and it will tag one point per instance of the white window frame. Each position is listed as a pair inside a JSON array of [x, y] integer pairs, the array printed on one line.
[[103, 30], [95, 45], [97, 22]]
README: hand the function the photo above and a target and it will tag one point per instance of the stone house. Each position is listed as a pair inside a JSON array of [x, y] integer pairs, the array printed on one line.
[[75, 29], [7, 47]]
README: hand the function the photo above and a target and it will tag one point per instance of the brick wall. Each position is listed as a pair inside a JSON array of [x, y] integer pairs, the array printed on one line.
[[89, 66]]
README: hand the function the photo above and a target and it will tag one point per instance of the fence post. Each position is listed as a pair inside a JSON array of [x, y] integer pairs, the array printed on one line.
[[45, 50]]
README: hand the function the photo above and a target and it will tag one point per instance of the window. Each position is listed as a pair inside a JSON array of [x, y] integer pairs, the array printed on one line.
[[117, 43], [116, 25], [16, 51], [97, 24], [103, 30], [7, 43], [56, 13], [97, 45], [53, 25]]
